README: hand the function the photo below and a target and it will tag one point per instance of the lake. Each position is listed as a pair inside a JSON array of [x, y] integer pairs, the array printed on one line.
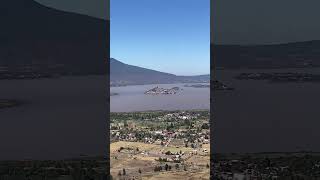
[[59, 118], [132, 98], [66, 117], [259, 116]]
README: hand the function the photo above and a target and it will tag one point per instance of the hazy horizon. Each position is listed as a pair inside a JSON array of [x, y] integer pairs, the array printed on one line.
[[156, 69]]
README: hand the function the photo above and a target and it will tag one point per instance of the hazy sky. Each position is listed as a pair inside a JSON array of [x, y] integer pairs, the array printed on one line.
[[167, 35], [265, 21]]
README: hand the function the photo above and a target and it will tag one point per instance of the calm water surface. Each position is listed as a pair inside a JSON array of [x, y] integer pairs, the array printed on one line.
[[260, 116], [132, 98], [60, 118]]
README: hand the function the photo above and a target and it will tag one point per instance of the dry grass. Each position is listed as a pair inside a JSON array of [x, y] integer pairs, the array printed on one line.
[[133, 162], [142, 146], [180, 175]]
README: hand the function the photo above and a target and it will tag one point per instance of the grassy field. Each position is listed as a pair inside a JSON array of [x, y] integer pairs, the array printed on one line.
[[142, 146], [181, 175], [133, 162]]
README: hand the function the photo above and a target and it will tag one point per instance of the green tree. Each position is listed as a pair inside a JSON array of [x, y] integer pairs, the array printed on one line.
[[166, 167]]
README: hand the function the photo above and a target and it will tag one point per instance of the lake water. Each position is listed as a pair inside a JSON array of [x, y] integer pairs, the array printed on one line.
[[60, 118], [262, 117], [132, 98], [66, 117]]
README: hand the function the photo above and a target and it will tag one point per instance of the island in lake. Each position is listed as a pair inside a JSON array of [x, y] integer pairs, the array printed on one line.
[[157, 90], [217, 85]]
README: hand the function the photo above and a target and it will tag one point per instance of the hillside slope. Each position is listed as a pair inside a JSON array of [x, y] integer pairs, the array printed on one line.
[[32, 34], [124, 74]]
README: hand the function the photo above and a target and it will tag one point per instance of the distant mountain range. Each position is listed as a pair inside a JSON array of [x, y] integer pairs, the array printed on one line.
[[290, 55], [35, 35], [124, 74]]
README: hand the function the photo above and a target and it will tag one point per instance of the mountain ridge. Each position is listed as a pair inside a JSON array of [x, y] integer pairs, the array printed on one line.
[[125, 74], [37, 34]]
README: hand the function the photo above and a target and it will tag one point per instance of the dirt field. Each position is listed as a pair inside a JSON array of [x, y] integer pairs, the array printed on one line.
[[144, 161]]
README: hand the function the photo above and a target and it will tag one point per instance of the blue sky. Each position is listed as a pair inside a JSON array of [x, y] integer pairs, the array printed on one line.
[[166, 35]]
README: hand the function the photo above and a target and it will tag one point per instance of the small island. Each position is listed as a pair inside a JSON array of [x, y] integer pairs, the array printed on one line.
[[157, 90], [217, 85]]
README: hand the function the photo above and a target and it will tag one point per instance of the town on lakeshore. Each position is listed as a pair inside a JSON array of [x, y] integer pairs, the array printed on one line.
[[160, 144]]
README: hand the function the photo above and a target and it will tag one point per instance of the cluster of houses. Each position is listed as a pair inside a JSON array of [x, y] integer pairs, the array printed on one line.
[[163, 137], [128, 131], [185, 133], [181, 115]]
